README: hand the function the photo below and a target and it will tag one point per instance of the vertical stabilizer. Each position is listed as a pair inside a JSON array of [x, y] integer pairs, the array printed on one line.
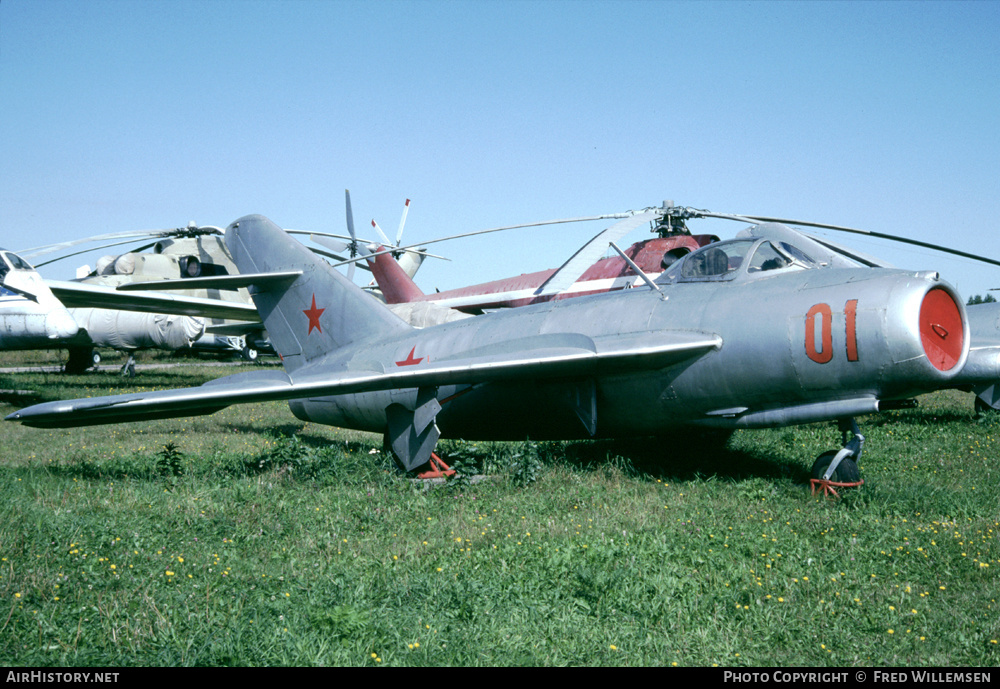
[[320, 311]]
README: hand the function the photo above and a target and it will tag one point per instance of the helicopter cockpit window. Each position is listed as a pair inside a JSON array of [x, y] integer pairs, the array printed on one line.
[[16, 261], [11, 261]]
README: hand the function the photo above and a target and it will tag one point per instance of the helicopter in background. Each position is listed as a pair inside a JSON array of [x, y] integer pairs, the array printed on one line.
[[188, 252], [35, 313], [584, 273], [196, 252]]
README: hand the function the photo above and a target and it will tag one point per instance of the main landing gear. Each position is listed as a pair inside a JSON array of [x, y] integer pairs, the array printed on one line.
[[128, 368], [839, 468], [81, 359]]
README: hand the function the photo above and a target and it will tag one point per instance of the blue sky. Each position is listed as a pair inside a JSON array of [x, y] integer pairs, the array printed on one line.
[[125, 114]]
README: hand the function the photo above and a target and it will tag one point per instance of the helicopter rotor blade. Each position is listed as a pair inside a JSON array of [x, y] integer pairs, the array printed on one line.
[[883, 235], [343, 237], [49, 248], [330, 244], [402, 221], [418, 246], [99, 248], [354, 237], [869, 233], [136, 234], [340, 259], [381, 234], [350, 224]]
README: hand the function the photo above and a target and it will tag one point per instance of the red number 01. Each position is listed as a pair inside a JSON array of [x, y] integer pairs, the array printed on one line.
[[825, 354]]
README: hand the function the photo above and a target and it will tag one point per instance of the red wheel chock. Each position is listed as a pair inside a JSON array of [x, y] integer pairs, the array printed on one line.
[[438, 469], [829, 487]]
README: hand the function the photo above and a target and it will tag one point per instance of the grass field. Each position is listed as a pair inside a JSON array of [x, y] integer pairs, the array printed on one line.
[[251, 538]]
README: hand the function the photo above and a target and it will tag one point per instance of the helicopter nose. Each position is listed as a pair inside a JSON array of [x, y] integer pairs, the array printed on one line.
[[60, 324]]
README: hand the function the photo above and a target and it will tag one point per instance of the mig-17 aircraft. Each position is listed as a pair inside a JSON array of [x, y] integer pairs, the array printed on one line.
[[746, 333]]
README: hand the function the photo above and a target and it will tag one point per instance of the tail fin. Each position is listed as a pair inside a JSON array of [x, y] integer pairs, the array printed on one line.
[[320, 311], [397, 287]]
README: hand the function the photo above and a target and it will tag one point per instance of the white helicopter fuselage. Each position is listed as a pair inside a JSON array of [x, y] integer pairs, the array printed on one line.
[[30, 315]]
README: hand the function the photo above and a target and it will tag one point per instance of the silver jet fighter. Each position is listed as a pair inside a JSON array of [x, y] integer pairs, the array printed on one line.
[[740, 334]]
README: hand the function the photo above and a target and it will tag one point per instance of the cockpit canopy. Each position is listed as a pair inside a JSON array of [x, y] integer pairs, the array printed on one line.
[[11, 261], [727, 260]]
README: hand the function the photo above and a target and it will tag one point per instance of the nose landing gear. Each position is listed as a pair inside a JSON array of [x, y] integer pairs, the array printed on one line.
[[839, 468]]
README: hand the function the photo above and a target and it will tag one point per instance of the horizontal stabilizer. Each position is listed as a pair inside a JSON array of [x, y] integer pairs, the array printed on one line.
[[80, 295], [235, 329], [278, 279]]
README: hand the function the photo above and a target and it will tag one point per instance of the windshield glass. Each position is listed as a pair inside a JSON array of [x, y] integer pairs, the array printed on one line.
[[16, 261], [723, 260], [767, 258], [797, 254], [716, 261]]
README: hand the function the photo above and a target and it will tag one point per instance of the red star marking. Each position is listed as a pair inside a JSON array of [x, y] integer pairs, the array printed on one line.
[[409, 360], [313, 315]]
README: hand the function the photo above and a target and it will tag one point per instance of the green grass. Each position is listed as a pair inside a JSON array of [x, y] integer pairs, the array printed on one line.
[[260, 540]]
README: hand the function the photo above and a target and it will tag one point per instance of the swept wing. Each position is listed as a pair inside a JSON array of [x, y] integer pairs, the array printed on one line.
[[653, 350]]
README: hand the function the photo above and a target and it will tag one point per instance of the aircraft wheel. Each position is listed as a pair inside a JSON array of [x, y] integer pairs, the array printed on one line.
[[249, 353], [95, 357], [846, 472]]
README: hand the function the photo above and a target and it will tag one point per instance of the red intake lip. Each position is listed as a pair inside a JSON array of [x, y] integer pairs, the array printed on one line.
[[941, 329]]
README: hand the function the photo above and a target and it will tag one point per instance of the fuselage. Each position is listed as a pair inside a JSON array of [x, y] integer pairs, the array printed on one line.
[[30, 315], [797, 346]]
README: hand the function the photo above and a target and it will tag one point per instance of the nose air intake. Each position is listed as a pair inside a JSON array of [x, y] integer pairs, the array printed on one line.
[[941, 329]]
